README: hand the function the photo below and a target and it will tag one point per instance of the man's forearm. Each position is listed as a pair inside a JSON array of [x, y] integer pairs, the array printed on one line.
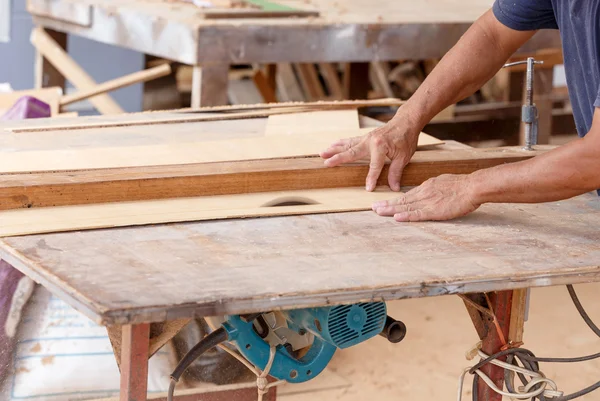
[[562, 173], [473, 61]]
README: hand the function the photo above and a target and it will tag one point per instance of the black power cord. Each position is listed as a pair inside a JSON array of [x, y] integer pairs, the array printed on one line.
[[212, 340], [529, 361]]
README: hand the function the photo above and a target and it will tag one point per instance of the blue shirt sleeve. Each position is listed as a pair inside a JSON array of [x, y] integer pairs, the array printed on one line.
[[525, 15]]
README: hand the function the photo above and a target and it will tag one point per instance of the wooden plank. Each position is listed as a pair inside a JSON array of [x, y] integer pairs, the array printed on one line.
[[73, 13], [121, 82], [264, 87], [287, 84], [133, 184], [518, 316], [229, 392], [63, 63], [266, 147], [312, 121], [126, 214], [118, 276], [309, 80], [134, 362], [236, 112], [50, 96], [334, 84]]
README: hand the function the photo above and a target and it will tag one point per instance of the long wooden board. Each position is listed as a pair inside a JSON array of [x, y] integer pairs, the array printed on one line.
[[215, 113], [162, 182], [267, 147], [124, 214], [312, 121]]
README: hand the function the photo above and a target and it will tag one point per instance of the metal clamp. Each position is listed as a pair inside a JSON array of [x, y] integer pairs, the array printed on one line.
[[529, 112]]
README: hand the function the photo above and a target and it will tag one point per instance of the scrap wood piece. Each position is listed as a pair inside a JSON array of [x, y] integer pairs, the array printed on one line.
[[162, 182], [57, 56], [216, 113], [309, 79], [311, 121], [121, 82], [174, 153], [126, 214]]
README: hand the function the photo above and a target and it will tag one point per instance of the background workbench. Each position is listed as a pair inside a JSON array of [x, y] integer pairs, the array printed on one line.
[[350, 31]]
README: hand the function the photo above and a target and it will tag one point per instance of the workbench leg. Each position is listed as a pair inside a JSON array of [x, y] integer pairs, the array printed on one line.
[[134, 362], [209, 85], [509, 309], [46, 75], [501, 303]]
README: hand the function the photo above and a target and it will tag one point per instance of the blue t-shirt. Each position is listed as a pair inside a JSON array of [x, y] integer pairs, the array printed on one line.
[[579, 25]]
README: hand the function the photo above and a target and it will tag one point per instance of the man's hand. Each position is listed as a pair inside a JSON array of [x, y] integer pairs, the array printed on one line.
[[441, 198], [395, 140]]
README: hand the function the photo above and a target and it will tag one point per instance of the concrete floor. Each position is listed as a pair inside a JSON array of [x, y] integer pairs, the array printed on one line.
[[426, 365]]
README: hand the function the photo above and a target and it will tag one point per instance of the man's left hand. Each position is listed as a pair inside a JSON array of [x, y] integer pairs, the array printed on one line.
[[441, 198]]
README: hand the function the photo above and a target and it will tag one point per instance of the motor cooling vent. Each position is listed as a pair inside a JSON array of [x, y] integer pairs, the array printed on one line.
[[353, 324]]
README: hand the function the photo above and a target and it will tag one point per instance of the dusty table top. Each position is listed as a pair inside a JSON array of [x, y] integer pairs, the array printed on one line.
[[353, 30], [158, 273]]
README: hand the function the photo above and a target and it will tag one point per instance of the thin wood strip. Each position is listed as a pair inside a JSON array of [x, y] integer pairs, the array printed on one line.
[[114, 84], [162, 182], [266, 147], [125, 214]]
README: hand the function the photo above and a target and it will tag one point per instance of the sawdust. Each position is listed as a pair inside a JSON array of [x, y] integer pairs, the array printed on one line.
[[36, 348], [48, 360]]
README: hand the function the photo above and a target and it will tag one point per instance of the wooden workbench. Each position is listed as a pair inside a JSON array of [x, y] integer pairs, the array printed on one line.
[[348, 31]]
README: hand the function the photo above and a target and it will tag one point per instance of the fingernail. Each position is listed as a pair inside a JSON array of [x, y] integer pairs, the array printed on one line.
[[378, 204], [370, 187], [381, 210], [401, 217]]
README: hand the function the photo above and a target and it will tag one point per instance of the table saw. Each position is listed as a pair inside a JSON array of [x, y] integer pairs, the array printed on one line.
[[306, 265]]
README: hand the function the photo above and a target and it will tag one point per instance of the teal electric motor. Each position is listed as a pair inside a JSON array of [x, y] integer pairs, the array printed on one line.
[[306, 339]]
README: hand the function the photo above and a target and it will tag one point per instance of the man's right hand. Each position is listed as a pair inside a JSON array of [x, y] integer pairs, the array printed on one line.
[[395, 141]]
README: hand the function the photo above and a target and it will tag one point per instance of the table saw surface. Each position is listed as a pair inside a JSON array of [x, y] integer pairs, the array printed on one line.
[[158, 273]]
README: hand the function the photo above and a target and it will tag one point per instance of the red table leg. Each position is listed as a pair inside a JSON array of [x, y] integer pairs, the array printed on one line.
[[134, 362], [501, 304]]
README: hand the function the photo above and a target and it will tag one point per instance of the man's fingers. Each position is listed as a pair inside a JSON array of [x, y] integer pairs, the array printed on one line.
[[352, 154], [340, 146], [413, 215], [391, 210], [395, 173], [375, 167]]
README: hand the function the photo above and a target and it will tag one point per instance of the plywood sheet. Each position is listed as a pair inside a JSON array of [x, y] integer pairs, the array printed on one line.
[[123, 214], [312, 121], [268, 147]]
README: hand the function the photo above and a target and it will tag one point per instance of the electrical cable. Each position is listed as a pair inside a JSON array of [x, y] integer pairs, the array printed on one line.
[[210, 341], [535, 387], [581, 310]]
